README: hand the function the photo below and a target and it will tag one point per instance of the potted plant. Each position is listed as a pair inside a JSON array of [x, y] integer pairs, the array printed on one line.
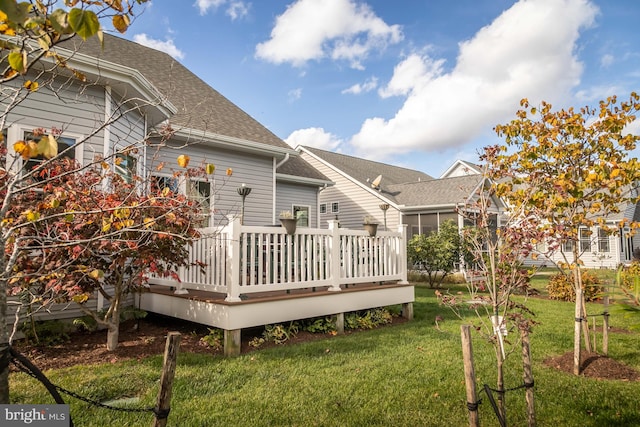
[[288, 221], [370, 225]]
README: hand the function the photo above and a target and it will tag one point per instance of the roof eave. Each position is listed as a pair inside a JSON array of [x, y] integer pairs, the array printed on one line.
[[233, 143], [110, 72], [281, 177]]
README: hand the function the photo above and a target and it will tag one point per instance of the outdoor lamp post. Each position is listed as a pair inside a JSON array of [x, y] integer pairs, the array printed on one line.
[[384, 208], [243, 191]]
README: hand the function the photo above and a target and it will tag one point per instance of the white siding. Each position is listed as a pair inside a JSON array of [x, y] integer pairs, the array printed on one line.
[[77, 110], [254, 171], [354, 201], [288, 195]]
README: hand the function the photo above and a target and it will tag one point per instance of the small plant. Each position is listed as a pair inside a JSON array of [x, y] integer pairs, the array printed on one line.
[[213, 339], [369, 220], [256, 342], [279, 333], [320, 325], [286, 215], [368, 319], [561, 287], [86, 324], [47, 333]]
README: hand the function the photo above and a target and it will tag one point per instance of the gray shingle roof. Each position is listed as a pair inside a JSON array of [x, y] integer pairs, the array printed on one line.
[[445, 191], [366, 171], [199, 105], [296, 166]]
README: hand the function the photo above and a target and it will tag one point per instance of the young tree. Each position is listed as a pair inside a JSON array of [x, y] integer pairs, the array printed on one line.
[[497, 245], [77, 237], [437, 252], [28, 62], [572, 169]]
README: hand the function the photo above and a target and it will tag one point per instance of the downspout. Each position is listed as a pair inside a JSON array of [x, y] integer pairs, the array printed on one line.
[[283, 161], [275, 189]]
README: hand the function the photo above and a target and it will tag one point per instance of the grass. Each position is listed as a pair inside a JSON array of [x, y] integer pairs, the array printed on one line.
[[409, 374]]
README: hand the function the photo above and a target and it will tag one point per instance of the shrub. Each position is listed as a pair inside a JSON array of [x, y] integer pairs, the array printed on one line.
[[630, 276], [280, 333], [47, 332], [213, 339], [319, 325], [560, 287]]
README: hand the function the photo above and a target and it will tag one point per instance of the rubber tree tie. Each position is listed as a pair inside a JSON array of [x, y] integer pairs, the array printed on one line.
[[161, 414]]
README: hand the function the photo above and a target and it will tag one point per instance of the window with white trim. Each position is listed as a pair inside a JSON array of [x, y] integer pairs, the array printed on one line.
[[200, 191], [126, 166], [64, 145], [584, 236], [301, 214], [603, 240], [323, 208], [335, 207]]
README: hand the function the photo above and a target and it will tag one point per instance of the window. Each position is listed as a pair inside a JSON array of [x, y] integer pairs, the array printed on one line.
[[159, 183], [64, 143], [301, 214], [603, 240], [335, 207], [126, 166], [323, 208], [567, 246], [584, 235], [200, 191]]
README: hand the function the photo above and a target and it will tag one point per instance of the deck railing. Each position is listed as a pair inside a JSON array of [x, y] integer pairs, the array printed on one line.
[[240, 260]]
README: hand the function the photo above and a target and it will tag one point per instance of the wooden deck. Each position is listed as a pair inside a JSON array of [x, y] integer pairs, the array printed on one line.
[[255, 276]]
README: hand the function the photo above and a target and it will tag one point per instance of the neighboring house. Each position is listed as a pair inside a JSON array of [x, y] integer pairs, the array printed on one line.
[[413, 198], [598, 248], [462, 168]]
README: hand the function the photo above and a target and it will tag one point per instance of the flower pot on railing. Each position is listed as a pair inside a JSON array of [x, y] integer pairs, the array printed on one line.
[[372, 229], [289, 224]]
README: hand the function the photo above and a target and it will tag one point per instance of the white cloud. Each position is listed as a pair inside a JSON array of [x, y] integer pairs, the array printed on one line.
[[236, 9], [598, 93], [205, 5], [528, 51], [166, 46], [318, 29], [412, 74], [358, 88], [314, 137], [294, 94], [606, 60]]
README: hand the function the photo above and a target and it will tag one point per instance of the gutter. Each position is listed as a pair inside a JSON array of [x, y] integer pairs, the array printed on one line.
[[303, 180], [236, 144]]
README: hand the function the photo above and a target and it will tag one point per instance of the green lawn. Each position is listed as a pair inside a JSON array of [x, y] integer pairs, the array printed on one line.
[[404, 375]]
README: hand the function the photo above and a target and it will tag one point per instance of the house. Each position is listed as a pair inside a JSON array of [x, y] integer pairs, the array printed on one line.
[[599, 249], [256, 273], [363, 188]]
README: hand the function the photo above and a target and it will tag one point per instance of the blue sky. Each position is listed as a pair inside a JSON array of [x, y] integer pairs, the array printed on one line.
[[412, 83]]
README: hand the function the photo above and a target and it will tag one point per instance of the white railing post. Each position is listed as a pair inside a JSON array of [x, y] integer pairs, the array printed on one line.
[[334, 256], [234, 262], [402, 254]]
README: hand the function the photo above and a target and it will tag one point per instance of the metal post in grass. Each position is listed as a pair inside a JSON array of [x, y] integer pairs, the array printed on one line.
[[528, 378], [469, 375], [163, 404], [605, 326]]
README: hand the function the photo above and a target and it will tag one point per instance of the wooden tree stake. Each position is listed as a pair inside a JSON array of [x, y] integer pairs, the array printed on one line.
[[469, 375], [166, 380], [605, 326], [528, 378]]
